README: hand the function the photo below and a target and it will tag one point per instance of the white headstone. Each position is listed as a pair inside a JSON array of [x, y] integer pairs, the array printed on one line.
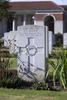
[[64, 40], [6, 35], [47, 50], [53, 39], [50, 42], [13, 42], [31, 55]]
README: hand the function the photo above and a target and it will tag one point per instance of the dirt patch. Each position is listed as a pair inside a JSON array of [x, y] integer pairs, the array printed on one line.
[[18, 97], [48, 98], [45, 98], [57, 87]]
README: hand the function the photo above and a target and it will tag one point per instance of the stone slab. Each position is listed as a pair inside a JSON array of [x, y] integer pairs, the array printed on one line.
[[47, 50], [53, 39], [13, 42], [64, 40], [50, 42], [6, 35], [32, 52]]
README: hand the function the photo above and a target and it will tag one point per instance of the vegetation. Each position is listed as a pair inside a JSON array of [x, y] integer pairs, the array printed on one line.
[[15, 94], [41, 86], [9, 79], [4, 6], [60, 68], [8, 67], [58, 40]]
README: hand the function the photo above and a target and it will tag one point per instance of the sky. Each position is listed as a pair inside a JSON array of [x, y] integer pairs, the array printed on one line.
[[59, 2]]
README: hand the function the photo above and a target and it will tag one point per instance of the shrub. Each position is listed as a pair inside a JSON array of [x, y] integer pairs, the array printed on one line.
[[15, 83], [6, 73], [41, 86], [58, 39], [11, 82], [4, 64]]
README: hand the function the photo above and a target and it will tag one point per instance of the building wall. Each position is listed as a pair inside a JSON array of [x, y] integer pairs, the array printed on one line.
[[58, 27], [3, 27], [39, 22], [59, 24], [64, 26], [58, 21], [19, 20], [57, 16], [65, 23]]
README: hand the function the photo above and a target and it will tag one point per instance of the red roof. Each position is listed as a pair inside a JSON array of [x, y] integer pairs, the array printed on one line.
[[64, 6], [40, 5]]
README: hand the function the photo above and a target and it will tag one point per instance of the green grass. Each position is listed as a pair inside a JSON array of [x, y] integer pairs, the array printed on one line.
[[56, 49], [53, 59], [1, 40], [13, 65], [10, 94]]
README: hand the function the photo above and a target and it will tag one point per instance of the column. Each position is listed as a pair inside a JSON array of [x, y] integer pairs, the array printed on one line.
[[34, 19], [24, 22], [14, 23], [34, 22]]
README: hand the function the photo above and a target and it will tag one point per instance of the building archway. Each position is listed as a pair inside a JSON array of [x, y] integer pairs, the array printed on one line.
[[49, 21]]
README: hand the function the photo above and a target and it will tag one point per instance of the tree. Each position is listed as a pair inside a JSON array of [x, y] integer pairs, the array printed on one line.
[[4, 6]]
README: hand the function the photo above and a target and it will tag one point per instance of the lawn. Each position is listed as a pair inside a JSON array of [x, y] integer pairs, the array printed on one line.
[[10, 94], [1, 40], [13, 65]]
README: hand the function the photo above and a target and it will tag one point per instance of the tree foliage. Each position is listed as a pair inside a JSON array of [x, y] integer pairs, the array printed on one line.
[[4, 6]]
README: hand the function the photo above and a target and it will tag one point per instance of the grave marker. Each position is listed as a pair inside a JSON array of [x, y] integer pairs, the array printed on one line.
[[6, 35], [50, 42], [47, 50], [13, 42], [32, 52], [64, 40]]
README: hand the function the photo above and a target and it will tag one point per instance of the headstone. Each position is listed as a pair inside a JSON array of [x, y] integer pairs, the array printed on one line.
[[6, 35], [13, 42], [53, 39], [32, 52], [47, 50], [50, 42], [64, 40]]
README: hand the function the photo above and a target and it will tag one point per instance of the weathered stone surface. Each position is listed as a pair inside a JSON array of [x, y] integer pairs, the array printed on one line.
[[13, 42], [32, 52], [50, 42], [64, 40], [47, 50], [6, 35]]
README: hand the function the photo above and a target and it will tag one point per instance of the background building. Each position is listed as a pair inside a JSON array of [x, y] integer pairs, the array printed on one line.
[[36, 13]]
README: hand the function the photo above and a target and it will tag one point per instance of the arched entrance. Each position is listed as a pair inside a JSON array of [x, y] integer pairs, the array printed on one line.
[[49, 21]]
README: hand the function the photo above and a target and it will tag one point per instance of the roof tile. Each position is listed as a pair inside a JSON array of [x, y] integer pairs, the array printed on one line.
[[42, 5]]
